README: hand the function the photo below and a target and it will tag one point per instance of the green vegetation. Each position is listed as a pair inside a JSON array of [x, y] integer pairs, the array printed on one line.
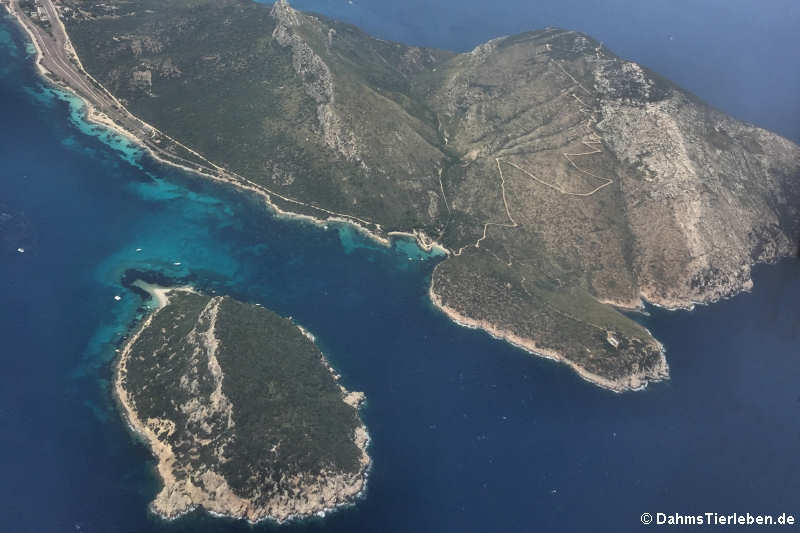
[[160, 357], [274, 411], [283, 396], [569, 322], [542, 161], [211, 74]]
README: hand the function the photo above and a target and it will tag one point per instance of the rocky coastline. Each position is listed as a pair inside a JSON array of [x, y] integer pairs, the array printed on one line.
[[188, 485], [653, 131]]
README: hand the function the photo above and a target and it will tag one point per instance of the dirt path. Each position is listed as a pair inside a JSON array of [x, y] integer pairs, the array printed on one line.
[[594, 144]]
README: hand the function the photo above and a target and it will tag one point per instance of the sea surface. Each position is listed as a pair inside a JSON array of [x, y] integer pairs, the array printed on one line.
[[468, 433]]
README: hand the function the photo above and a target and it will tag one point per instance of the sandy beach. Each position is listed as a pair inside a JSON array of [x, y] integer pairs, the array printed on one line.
[[159, 294]]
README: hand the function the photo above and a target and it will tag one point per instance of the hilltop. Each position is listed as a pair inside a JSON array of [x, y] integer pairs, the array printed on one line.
[[565, 182], [245, 416]]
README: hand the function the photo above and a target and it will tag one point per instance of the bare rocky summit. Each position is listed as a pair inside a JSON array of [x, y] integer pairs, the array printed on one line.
[[564, 181]]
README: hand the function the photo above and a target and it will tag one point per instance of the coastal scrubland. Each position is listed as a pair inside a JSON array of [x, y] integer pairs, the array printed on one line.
[[564, 181], [244, 414]]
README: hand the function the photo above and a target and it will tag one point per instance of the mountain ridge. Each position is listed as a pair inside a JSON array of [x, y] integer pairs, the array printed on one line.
[[559, 177]]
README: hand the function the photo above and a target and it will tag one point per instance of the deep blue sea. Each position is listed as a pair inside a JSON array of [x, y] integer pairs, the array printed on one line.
[[468, 433]]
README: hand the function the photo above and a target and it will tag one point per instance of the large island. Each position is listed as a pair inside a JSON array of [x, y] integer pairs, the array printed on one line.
[[242, 411], [565, 183]]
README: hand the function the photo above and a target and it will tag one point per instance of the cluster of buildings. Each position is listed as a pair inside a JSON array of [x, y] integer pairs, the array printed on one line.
[[38, 12]]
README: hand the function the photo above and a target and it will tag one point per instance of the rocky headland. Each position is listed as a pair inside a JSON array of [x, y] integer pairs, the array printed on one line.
[[563, 181]]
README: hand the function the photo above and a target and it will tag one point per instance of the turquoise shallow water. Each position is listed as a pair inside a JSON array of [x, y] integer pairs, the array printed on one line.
[[469, 434]]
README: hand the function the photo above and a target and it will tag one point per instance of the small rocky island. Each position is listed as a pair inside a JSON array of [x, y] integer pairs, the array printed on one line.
[[241, 409]]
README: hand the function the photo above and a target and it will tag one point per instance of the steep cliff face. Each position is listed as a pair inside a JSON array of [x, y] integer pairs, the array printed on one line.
[[242, 412], [316, 77], [722, 194], [560, 177]]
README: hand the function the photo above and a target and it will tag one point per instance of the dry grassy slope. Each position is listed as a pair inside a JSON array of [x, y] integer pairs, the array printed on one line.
[[617, 185], [706, 196], [513, 114], [623, 182]]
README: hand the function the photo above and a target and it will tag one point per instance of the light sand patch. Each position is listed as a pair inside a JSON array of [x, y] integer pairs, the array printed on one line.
[[159, 294]]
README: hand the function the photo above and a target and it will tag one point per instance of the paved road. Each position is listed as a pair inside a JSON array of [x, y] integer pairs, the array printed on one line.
[[57, 60]]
